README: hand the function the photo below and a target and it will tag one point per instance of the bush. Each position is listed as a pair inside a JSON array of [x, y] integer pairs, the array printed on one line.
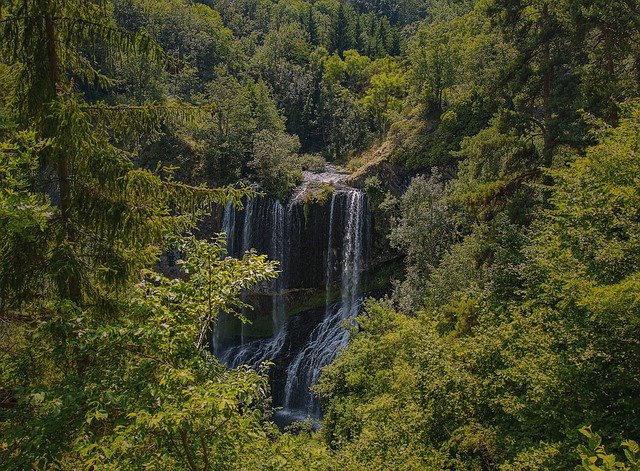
[[313, 162], [275, 162]]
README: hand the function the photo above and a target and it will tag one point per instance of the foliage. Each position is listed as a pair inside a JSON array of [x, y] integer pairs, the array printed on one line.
[[320, 194], [24, 215], [434, 64], [225, 47], [516, 322], [106, 365], [313, 162], [151, 395], [189, 31], [594, 457], [423, 240], [509, 355], [275, 162], [385, 95]]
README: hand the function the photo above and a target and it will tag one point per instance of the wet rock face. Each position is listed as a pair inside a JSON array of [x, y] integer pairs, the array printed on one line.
[[322, 244], [305, 238]]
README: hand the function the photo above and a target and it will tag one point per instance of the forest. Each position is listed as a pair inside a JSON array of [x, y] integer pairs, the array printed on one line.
[[412, 225]]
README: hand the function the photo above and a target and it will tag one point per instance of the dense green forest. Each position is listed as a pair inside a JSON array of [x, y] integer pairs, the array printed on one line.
[[511, 337]]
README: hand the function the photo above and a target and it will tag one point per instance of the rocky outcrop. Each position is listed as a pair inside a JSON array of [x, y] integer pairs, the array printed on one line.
[[378, 164]]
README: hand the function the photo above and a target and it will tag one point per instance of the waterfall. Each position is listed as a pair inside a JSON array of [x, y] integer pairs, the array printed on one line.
[[256, 352], [247, 225], [320, 247], [330, 335], [329, 263], [229, 229], [247, 244], [229, 226], [278, 314]]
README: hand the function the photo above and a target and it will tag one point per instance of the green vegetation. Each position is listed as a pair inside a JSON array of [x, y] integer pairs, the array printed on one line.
[[106, 364], [595, 457], [525, 326], [516, 323], [512, 333], [319, 194]]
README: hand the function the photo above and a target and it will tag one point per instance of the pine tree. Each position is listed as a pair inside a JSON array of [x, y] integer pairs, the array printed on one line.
[[541, 33], [110, 217], [360, 43], [312, 28], [609, 33], [343, 28]]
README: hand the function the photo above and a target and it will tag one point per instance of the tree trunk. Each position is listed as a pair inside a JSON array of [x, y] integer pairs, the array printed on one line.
[[547, 81], [70, 284]]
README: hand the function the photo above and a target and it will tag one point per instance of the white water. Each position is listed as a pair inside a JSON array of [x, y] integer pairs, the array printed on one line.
[[258, 351], [330, 336], [247, 244], [229, 229], [330, 254], [229, 226], [277, 229]]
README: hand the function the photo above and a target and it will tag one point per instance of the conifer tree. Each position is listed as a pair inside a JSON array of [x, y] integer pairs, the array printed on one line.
[[541, 33], [110, 217], [343, 28], [312, 28]]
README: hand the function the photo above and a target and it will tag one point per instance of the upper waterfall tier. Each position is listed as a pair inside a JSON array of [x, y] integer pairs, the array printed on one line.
[[303, 231]]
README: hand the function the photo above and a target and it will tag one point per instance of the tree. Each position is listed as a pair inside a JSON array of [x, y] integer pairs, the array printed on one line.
[[540, 31], [385, 96], [153, 396], [192, 32], [434, 65], [242, 110], [24, 216], [344, 27], [275, 162], [341, 117], [312, 28], [608, 30], [101, 197], [424, 240]]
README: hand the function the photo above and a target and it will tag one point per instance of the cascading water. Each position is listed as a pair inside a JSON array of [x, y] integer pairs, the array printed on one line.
[[229, 229], [246, 246], [330, 335], [229, 226], [319, 247], [255, 352], [278, 314]]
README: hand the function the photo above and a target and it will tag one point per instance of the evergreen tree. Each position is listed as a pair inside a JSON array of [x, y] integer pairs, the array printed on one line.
[[312, 28], [541, 33], [608, 32], [109, 214], [343, 37], [386, 36]]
